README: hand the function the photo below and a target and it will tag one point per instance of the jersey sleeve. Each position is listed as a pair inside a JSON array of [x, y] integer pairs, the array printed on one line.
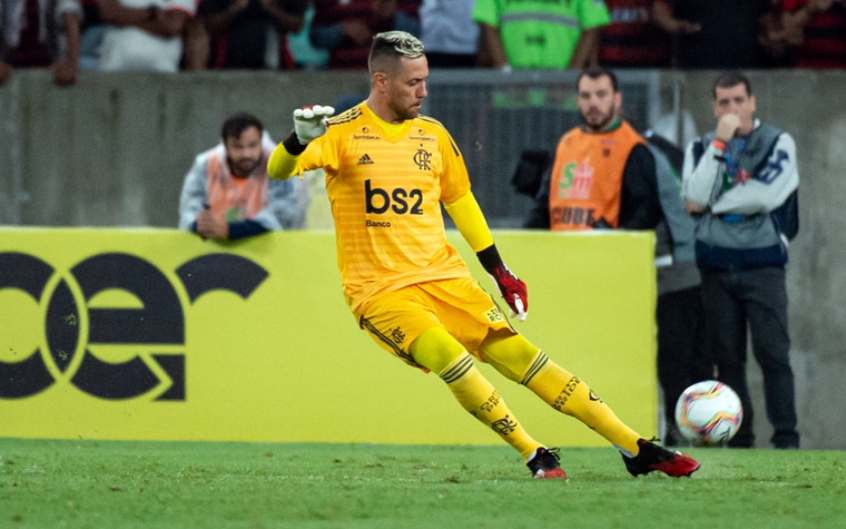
[[322, 153], [455, 182], [486, 12], [594, 14]]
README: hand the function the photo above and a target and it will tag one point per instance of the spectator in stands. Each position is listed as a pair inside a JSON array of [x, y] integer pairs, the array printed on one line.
[[91, 40], [449, 34], [346, 27], [539, 34], [143, 34], [251, 34], [606, 175], [37, 34], [809, 33], [718, 34], [227, 194], [306, 56], [632, 40], [740, 181]]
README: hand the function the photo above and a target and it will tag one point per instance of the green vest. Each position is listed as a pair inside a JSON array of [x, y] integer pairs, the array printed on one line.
[[540, 34]]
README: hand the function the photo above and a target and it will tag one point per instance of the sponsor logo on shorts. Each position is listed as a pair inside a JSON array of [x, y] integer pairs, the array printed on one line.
[[494, 315], [397, 335]]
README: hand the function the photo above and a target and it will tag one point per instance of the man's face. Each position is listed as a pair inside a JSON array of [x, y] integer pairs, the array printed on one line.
[[244, 152], [407, 89], [598, 102], [736, 100], [385, 9]]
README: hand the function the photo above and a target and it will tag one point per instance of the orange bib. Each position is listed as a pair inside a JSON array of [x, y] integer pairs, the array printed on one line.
[[587, 177]]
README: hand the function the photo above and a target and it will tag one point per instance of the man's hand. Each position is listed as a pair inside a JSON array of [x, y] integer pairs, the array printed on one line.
[[693, 208], [5, 72], [65, 73], [727, 127], [513, 290], [212, 226], [359, 33], [311, 122]]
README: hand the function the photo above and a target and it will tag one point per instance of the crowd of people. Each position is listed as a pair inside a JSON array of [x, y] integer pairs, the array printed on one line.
[[172, 35]]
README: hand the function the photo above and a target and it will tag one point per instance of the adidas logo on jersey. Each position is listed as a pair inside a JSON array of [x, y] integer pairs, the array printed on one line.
[[365, 160]]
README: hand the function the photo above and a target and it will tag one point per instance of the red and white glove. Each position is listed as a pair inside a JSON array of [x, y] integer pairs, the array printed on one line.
[[311, 122], [513, 290], [510, 287]]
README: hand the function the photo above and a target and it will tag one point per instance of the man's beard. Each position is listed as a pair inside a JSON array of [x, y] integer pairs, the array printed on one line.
[[607, 119], [244, 167]]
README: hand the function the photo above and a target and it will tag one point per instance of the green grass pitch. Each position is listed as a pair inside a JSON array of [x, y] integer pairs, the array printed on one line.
[[117, 485]]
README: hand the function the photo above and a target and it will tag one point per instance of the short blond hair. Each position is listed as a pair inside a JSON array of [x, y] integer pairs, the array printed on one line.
[[389, 46]]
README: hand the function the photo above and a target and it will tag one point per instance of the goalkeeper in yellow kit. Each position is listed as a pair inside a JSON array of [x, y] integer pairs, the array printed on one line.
[[387, 171]]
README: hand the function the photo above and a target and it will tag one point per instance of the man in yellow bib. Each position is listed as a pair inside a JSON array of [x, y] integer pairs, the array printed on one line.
[[387, 171]]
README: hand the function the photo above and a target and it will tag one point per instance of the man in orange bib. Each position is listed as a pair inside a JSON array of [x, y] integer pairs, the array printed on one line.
[[605, 175], [388, 170], [227, 194]]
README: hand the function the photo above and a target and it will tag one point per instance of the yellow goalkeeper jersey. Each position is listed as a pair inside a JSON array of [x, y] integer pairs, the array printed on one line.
[[385, 184]]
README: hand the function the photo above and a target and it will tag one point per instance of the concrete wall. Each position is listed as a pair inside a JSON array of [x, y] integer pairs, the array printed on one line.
[[113, 152]]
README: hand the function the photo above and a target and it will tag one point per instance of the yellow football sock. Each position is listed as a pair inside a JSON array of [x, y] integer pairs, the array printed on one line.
[[570, 395], [519, 360], [472, 390], [481, 399]]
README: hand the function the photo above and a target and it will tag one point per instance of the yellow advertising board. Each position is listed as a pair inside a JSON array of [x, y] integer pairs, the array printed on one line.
[[157, 335]]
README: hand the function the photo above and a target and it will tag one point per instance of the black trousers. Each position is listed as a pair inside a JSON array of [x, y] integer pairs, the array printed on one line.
[[683, 358], [755, 301]]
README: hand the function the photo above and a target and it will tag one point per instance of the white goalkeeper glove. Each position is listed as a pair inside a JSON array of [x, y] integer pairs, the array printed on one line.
[[311, 122]]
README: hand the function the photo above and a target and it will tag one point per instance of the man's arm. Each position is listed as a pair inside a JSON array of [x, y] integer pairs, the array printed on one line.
[[167, 23], [288, 19], [662, 16], [471, 223], [217, 16], [587, 49], [768, 188], [194, 196], [491, 49], [66, 69], [700, 177], [539, 214], [640, 206]]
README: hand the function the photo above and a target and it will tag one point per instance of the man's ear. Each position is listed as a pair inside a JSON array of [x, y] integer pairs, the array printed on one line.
[[380, 81]]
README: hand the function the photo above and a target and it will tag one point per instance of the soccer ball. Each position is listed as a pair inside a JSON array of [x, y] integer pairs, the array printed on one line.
[[709, 413]]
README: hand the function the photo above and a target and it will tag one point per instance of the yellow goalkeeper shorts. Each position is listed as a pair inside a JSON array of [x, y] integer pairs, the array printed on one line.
[[395, 319]]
